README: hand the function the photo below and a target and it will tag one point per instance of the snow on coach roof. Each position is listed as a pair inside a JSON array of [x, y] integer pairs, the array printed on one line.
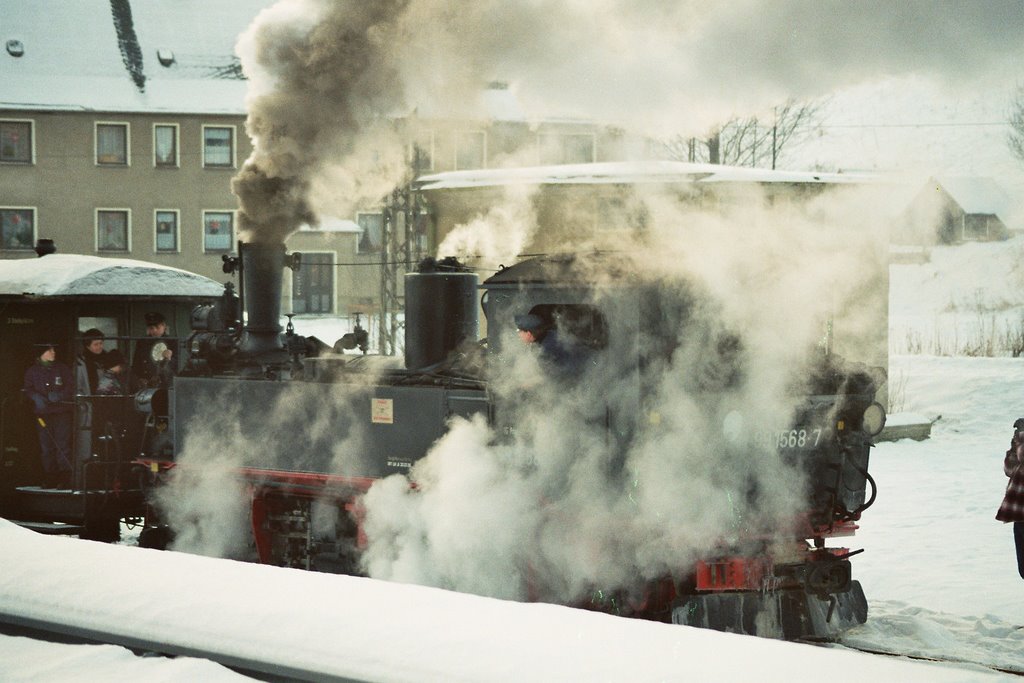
[[629, 172], [77, 275]]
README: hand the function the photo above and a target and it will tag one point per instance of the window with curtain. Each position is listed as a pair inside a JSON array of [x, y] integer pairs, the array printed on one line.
[[112, 144], [112, 230], [16, 142]]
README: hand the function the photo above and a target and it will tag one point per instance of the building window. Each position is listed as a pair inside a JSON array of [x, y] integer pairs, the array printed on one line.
[[112, 144], [218, 230], [113, 230], [470, 149], [16, 142], [371, 240], [313, 284], [166, 230], [165, 144], [421, 152], [219, 146], [17, 228], [566, 149]]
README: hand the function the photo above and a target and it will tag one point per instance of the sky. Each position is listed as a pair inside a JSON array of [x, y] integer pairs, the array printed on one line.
[[654, 68]]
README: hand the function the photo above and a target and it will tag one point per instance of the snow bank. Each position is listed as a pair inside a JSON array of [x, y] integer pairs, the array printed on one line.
[[373, 630]]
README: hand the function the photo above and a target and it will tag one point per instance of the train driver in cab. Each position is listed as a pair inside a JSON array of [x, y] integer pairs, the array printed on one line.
[[565, 357]]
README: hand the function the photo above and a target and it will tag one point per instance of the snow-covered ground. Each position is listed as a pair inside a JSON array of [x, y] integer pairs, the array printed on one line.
[[938, 570]]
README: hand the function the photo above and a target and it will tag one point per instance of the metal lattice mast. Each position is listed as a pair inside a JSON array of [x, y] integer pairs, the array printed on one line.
[[403, 237]]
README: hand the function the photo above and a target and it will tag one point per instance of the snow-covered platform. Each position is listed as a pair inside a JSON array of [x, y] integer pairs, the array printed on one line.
[[906, 426]]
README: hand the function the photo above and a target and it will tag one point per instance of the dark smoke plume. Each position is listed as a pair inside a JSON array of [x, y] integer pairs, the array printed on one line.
[[321, 81]]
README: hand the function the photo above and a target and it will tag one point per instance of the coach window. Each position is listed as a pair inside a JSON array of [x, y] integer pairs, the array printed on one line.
[[165, 145], [470, 149], [112, 144], [16, 145], [166, 221], [219, 146], [218, 230], [113, 230], [17, 228], [313, 284]]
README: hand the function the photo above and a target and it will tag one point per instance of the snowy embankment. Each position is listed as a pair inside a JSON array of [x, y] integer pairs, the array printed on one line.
[[966, 300], [372, 630]]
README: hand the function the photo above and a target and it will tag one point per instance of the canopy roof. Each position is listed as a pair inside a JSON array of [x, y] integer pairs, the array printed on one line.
[[78, 275]]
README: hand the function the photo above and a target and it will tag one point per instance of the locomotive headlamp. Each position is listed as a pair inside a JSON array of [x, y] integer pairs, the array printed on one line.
[[874, 419]]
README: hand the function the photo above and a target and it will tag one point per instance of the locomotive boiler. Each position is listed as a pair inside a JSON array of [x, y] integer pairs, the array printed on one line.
[[328, 425]]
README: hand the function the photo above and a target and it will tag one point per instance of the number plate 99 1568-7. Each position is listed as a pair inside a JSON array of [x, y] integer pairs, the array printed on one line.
[[790, 438]]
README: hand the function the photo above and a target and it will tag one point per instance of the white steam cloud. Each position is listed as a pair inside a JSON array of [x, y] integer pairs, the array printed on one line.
[[555, 509], [547, 507]]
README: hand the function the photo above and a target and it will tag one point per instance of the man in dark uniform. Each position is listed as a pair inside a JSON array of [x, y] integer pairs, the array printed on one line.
[[49, 386], [152, 364]]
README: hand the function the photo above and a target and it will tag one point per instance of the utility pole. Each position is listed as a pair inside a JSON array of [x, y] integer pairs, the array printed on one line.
[[404, 241], [775, 134]]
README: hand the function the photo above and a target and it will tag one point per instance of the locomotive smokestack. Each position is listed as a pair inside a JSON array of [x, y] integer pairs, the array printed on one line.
[[262, 267]]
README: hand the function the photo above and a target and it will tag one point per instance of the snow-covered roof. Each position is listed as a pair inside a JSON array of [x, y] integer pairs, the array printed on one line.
[[976, 194], [78, 275], [332, 224], [93, 55], [627, 172]]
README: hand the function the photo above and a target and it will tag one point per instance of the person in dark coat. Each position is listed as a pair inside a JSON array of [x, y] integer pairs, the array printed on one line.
[[1012, 508], [89, 363], [48, 384], [152, 364]]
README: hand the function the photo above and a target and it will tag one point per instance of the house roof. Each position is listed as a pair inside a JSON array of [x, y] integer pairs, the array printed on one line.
[[627, 172], [332, 224], [975, 195], [174, 56], [80, 275]]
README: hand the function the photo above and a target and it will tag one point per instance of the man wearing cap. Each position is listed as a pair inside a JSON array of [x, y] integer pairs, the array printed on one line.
[[151, 364], [565, 358], [49, 386]]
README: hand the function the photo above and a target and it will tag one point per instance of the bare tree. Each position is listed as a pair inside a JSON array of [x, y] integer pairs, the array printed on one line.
[[1015, 138], [750, 141]]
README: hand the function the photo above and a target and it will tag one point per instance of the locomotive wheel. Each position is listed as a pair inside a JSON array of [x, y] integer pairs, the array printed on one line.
[[156, 537]]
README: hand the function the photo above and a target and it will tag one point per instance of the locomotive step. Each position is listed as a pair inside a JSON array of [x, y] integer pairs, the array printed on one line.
[[52, 528]]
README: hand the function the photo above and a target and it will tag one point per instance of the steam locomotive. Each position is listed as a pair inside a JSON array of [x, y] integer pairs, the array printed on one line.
[[327, 425]]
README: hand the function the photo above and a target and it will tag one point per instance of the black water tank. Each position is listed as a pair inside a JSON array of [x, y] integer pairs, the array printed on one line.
[[440, 311]]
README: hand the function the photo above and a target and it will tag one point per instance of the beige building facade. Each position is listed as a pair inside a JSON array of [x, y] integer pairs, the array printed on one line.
[[148, 186]]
